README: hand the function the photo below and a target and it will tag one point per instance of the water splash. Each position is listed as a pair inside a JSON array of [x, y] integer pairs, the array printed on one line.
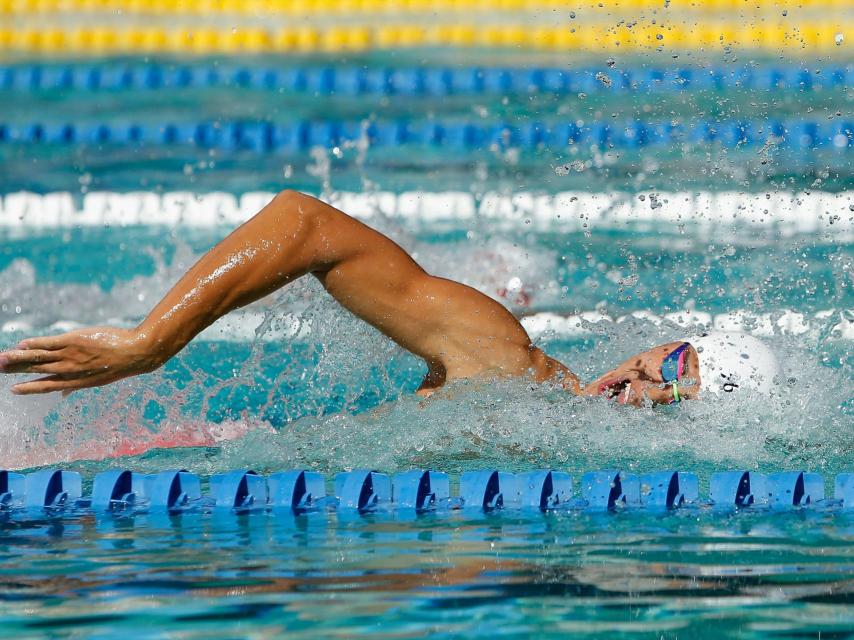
[[333, 393], [473, 424], [514, 424]]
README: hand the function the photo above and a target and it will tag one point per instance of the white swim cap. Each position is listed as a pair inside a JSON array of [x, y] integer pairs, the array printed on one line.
[[734, 361]]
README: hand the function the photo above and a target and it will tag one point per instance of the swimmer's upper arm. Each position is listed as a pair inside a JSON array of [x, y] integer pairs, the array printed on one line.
[[374, 278], [295, 234]]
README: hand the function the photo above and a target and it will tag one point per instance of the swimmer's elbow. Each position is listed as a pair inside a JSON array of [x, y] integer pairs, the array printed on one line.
[[289, 198], [290, 206], [296, 210]]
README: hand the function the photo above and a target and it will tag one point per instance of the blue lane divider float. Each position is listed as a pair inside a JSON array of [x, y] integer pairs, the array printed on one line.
[[11, 489], [298, 491], [608, 490], [239, 489], [365, 491], [265, 137], [52, 488], [421, 490], [794, 488], [544, 489], [669, 489], [416, 81], [737, 488], [843, 490], [488, 490], [173, 490], [117, 489]]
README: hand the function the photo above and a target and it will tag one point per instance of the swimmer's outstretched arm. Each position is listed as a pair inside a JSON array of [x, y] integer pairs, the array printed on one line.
[[459, 331]]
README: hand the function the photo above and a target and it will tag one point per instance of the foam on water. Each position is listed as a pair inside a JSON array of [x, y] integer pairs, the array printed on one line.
[[511, 423], [516, 424], [305, 384]]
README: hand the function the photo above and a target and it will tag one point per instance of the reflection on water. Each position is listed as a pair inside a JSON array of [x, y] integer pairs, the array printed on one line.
[[212, 575]]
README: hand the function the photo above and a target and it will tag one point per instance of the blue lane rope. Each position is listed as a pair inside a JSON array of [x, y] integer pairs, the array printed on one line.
[[416, 81], [532, 135], [363, 491]]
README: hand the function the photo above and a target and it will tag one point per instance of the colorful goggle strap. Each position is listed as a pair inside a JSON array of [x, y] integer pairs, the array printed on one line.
[[673, 363]]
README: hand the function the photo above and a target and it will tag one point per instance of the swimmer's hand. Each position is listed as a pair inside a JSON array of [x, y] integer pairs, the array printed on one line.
[[80, 359]]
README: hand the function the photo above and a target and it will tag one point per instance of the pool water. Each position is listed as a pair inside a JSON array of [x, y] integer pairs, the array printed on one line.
[[686, 575], [304, 383], [336, 395], [295, 382]]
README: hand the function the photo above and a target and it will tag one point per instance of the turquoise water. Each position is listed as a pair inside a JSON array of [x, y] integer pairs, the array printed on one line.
[[93, 166], [338, 396], [299, 381], [616, 576], [296, 382]]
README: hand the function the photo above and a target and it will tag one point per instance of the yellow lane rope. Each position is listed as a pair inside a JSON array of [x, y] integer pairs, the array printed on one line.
[[587, 10], [811, 37]]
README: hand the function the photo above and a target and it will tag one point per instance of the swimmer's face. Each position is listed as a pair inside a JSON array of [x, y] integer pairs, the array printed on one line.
[[638, 380]]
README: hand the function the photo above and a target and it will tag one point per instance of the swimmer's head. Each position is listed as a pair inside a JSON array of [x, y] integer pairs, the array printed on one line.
[[731, 361], [725, 362]]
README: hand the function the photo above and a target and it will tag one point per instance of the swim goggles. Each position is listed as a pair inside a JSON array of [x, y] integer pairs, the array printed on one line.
[[672, 367]]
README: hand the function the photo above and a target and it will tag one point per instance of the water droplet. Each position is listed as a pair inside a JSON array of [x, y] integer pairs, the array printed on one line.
[[572, 14], [514, 284], [838, 39], [604, 79]]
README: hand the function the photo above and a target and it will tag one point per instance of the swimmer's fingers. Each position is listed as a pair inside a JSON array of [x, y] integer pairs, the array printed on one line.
[[60, 382], [47, 343], [46, 385], [20, 360], [59, 367], [33, 351]]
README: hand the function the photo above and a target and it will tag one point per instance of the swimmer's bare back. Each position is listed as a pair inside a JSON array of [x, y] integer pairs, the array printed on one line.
[[457, 330]]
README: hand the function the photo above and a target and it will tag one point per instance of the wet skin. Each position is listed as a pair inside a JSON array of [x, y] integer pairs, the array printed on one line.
[[639, 378], [458, 331]]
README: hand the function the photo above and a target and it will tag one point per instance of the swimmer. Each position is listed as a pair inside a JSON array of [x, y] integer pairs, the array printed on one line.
[[716, 363], [457, 330]]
